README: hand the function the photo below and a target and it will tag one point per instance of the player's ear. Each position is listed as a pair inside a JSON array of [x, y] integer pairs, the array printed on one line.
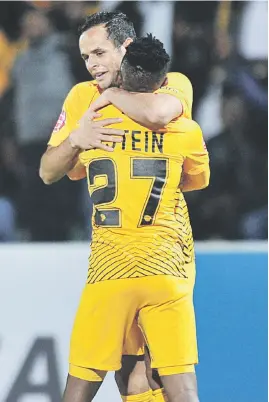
[[165, 82], [127, 42]]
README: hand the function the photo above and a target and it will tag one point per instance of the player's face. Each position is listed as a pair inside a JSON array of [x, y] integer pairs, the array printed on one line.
[[102, 58]]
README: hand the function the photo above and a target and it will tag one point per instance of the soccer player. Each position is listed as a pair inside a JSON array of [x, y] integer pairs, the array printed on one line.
[[142, 263], [103, 41]]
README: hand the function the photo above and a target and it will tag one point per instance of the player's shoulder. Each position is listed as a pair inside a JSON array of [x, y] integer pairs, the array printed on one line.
[[85, 87], [81, 94], [175, 75], [184, 125], [174, 78], [190, 125], [183, 134]]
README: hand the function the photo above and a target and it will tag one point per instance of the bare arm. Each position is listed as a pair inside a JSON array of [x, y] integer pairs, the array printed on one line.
[[58, 161], [148, 109]]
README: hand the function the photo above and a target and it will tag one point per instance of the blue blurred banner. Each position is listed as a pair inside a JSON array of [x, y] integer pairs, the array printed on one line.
[[231, 310], [39, 292]]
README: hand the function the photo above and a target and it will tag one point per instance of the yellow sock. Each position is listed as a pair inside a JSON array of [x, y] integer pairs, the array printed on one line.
[[145, 397], [159, 395]]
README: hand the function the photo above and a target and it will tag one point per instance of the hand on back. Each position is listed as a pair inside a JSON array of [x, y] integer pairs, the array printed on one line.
[[92, 134]]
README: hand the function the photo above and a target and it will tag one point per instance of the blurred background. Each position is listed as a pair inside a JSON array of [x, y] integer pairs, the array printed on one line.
[[220, 45], [44, 230]]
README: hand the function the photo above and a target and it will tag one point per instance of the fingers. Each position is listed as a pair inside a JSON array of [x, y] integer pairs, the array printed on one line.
[[110, 138], [112, 131], [105, 147], [92, 114], [95, 115], [107, 122]]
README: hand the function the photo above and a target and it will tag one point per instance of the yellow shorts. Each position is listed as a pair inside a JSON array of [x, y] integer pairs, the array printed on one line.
[[110, 312]]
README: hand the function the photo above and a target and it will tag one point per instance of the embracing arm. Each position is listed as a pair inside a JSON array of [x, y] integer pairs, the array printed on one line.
[[153, 110], [60, 160], [57, 161], [149, 109]]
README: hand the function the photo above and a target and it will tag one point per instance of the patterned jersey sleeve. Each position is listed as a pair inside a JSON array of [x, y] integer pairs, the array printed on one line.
[[179, 85], [196, 155]]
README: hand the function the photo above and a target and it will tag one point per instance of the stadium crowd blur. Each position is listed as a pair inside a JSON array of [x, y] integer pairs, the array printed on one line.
[[220, 46]]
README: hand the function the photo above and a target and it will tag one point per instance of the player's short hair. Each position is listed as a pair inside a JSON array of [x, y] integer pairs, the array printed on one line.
[[118, 26], [144, 65]]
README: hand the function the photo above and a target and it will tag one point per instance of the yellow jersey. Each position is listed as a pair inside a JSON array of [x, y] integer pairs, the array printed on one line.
[[140, 221], [84, 94], [141, 225]]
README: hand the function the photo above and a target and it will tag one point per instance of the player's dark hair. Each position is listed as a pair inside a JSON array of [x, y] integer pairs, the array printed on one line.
[[118, 26], [144, 65]]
